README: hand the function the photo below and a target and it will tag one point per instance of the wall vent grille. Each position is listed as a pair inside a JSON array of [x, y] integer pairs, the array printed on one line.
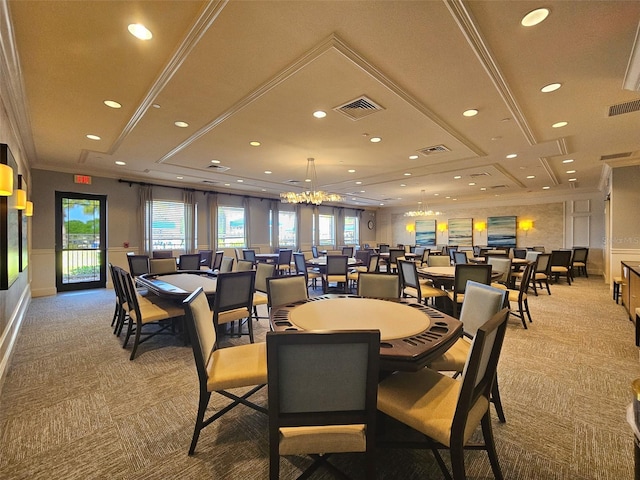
[[613, 156], [433, 150], [218, 168], [627, 107], [359, 108]]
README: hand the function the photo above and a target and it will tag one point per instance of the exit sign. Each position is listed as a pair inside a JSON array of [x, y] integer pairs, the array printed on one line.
[[84, 179]]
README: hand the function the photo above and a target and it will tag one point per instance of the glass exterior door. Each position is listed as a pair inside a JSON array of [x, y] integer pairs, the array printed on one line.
[[80, 241]]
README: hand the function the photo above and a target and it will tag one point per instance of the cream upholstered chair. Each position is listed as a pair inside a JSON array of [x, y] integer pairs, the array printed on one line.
[[480, 304], [392, 262], [189, 261], [234, 300], [244, 266], [162, 254], [541, 272], [226, 265], [439, 261], [502, 265], [337, 271], [464, 272], [378, 285], [287, 289], [413, 287], [220, 369], [263, 271], [447, 410], [519, 295], [158, 266], [145, 314], [370, 267], [579, 261], [284, 261], [322, 395], [561, 264], [348, 251]]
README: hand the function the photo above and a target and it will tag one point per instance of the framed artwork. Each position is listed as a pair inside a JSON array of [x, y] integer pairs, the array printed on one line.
[[461, 231], [9, 234], [426, 232], [501, 232], [23, 232]]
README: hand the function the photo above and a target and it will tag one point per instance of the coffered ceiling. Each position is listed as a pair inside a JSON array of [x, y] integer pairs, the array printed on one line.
[[242, 71]]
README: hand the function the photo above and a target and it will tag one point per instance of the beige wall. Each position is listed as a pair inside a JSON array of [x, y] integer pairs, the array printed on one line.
[[624, 233]]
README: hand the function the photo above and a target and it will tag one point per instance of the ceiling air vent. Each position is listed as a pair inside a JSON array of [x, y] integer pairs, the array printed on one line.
[[482, 174], [613, 156], [627, 107], [495, 187], [209, 182], [359, 108], [428, 151], [217, 168], [293, 182]]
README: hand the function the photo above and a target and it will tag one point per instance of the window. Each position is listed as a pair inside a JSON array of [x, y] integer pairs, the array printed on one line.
[[230, 227], [326, 230], [287, 229], [167, 228], [351, 231]]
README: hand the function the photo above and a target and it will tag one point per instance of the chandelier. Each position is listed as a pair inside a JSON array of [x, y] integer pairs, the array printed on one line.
[[312, 195], [423, 209]]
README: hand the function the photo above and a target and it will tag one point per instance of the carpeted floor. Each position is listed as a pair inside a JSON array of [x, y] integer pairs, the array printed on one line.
[[74, 407]]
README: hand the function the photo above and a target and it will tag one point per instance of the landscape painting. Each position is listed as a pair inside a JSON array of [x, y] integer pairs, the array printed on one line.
[[501, 232], [426, 232], [461, 231]]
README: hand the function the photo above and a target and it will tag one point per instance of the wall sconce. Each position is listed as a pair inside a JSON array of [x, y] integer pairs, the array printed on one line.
[[442, 227], [480, 226], [28, 211], [21, 199], [6, 180], [526, 225], [411, 227]]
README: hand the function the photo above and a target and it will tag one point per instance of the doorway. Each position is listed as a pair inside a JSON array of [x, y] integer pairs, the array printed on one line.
[[80, 241]]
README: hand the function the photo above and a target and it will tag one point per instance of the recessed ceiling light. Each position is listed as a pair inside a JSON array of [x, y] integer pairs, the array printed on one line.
[[268, 172], [403, 184], [215, 161], [362, 191], [483, 189], [382, 204], [568, 160], [93, 137], [560, 124], [227, 184], [319, 114], [239, 180], [457, 177], [263, 190], [535, 17], [470, 113], [180, 178], [531, 176], [512, 155], [546, 188], [436, 194], [552, 87], [447, 197], [351, 171], [353, 198], [375, 139], [454, 199], [155, 105], [413, 157], [112, 104], [571, 171], [140, 31], [120, 162], [358, 183], [407, 174], [254, 144], [181, 124], [573, 179], [471, 184]]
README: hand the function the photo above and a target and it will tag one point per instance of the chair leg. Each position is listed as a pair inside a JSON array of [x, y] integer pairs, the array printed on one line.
[[487, 433], [497, 402], [526, 309], [457, 461], [202, 408], [136, 341], [521, 313]]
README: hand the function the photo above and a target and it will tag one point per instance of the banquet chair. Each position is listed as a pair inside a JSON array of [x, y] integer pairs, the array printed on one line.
[[446, 410], [392, 262], [158, 266], [424, 259], [378, 285], [220, 369], [541, 272], [217, 261], [301, 268], [383, 248], [336, 272], [189, 261], [284, 261], [138, 264], [502, 265], [146, 314], [206, 258], [481, 303], [250, 255], [263, 271], [244, 266], [162, 254], [460, 258], [234, 300], [561, 264], [348, 251], [314, 251], [438, 261], [519, 295], [371, 266], [579, 261], [286, 290], [480, 273], [412, 286], [519, 253], [322, 396], [226, 265], [120, 309]]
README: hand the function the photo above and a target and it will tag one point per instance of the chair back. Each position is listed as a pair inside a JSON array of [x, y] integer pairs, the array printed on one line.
[[532, 256], [418, 250], [580, 254], [452, 257], [479, 373], [543, 263], [198, 319], [121, 299], [159, 266], [480, 273], [394, 254], [318, 380], [286, 289], [408, 274], [190, 261], [378, 285], [561, 258], [128, 291], [337, 265], [249, 254], [300, 263], [162, 254], [477, 249], [348, 251], [525, 279], [373, 263], [424, 259], [383, 248], [362, 256], [314, 251], [263, 271], [244, 266], [138, 264], [217, 260], [284, 256], [226, 265], [481, 302], [438, 261], [538, 249], [206, 258], [459, 257], [502, 265], [519, 253], [234, 290]]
